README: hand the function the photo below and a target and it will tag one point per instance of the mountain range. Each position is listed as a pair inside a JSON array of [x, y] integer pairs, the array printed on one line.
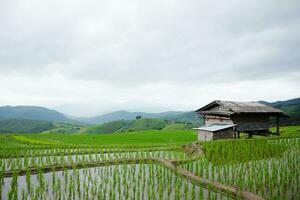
[[188, 116], [33, 118], [291, 107], [45, 114]]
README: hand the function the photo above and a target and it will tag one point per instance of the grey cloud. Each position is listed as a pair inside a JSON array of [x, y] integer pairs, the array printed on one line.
[[132, 44]]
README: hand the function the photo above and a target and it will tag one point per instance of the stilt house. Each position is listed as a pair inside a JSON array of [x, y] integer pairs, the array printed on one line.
[[226, 119]]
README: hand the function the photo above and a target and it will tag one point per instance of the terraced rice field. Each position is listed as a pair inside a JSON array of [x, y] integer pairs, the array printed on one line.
[[270, 168], [241, 169]]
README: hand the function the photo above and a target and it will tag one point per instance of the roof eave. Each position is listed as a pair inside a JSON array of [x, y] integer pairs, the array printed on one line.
[[207, 106]]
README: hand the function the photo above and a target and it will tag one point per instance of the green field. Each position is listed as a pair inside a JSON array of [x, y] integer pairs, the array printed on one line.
[[152, 164], [140, 138], [166, 137], [26, 126]]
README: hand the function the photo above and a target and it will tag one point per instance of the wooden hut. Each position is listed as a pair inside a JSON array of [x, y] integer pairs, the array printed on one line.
[[248, 117]]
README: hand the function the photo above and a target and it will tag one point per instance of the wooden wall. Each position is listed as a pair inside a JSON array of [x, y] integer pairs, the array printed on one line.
[[245, 122], [205, 135], [251, 122], [222, 134], [211, 119]]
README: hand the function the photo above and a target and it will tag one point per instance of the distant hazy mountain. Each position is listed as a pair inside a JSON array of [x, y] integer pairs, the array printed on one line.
[[45, 114], [290, 107], [191, 116], [31, 112]]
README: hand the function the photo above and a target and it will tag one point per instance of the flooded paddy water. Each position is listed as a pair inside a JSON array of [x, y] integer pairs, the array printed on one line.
[[136, 181]]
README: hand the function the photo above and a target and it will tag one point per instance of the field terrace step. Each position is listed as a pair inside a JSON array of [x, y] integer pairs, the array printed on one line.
[[209, 184], [92, 151]]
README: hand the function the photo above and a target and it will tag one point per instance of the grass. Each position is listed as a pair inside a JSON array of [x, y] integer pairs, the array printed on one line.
[[235, 151], [285, 131], [146, 124], [268, 167], [164, 137], [140, 138], [106, 128], [288, 131], [34, 141], [175, 126]]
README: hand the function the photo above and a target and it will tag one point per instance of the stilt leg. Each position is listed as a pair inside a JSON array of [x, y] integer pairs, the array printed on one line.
[[277, 125]]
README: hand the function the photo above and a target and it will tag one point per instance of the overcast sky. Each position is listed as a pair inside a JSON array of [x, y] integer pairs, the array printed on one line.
[[90, 57]]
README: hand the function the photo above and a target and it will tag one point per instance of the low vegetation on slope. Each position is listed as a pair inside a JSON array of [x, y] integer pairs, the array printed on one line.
[[109, 127], [24, 126], [143, 124], [177, 126], [64, 128]]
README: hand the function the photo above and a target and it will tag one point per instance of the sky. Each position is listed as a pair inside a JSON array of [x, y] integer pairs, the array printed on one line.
[[86, 58]]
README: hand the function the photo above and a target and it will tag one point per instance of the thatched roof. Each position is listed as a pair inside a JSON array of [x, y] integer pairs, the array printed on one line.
[[227, 108]]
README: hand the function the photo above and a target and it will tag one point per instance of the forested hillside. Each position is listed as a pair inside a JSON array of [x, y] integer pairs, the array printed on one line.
[[123, 126], [31, 112], [291, 108], [24, 126]]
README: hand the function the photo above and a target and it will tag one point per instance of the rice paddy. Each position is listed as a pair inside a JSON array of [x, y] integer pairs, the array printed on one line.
[[58, 167], [270, 168]]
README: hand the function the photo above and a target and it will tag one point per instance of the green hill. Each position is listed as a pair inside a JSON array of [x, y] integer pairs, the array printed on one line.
[[179, 116], [65, 128], [176, 126], [123, 126], [24, 126], [144, 124], [291, 108], [109, 127], [31, 112]]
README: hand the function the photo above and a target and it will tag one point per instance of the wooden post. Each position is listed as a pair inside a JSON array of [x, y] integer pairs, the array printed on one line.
[[238, 134], [266, 133], [277, 125], [250, 134]]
